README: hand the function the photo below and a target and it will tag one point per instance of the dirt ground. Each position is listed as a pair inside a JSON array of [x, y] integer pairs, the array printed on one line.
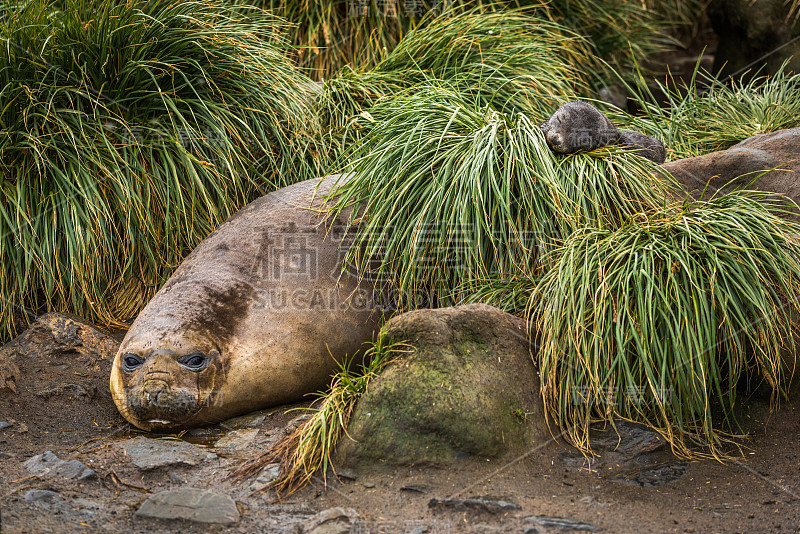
[[62, 404]]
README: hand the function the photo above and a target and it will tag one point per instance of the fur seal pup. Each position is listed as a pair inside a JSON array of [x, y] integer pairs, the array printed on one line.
[[257, 315], [580, 127]]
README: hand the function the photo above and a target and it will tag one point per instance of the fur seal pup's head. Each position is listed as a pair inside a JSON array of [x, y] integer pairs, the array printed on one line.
[[578, 127]]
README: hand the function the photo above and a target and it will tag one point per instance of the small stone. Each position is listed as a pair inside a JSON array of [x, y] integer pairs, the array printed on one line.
[[76, 391], [331, 521], [295, 423], [629, 439], [5, 424], [149, 454], [73, 469], [191, 504], [16, 426], [415, 489], [267, 476], [41, 495], [237, 440], [657, 475], [46, 499], [346, 474], [250, 420], [560, 523], [479, 505], [48, 464]]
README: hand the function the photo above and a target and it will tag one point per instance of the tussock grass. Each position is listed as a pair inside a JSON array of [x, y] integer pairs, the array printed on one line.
[[333, 34], [330, 35], [619, 31], [129, 132], [697, 121], [513, 60], [657, 320], [309, 448], [452, 190]]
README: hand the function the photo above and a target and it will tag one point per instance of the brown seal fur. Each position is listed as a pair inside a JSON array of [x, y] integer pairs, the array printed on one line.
[[257, 315]]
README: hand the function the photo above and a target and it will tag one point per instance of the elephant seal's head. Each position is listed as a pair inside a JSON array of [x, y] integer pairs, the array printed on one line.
[[173, 368]]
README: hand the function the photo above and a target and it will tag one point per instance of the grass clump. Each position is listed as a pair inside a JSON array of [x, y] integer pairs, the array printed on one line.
[[452, 190], [330, 35], [656, 321], [513, 60], [129, 132], [697, 120], [309, 448]]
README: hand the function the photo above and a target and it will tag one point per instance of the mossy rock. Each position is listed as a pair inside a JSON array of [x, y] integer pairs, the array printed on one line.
[[468, 388]]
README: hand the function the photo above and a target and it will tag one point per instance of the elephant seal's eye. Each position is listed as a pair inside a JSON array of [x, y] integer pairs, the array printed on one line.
[[196, 361], [131, 362]]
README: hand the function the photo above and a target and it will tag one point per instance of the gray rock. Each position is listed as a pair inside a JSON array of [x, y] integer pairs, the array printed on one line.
[[148, 453], [331, 521], [191, 504], [237, 440], [5, 424], [477, 505], [46, 499], [250, 420], [267, 476], [741, 164], [41, 495], [542, 523], [658, 475], [628, 439], [483, 357], [48, 464]]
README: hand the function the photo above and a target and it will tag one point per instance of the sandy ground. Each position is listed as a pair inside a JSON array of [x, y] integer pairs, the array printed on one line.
[[62, 404]]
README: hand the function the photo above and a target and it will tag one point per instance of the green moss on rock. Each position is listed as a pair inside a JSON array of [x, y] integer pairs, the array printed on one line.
[[454, 396]]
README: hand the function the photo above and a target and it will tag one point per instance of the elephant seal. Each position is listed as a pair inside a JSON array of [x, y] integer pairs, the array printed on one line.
[[257, 315], [580, 127]]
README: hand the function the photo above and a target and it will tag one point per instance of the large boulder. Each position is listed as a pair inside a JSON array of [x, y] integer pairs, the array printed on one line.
[[467, 389], [777, 152]]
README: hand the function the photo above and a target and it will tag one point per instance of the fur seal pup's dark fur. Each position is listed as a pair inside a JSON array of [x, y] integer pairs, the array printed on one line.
[[580, 127]]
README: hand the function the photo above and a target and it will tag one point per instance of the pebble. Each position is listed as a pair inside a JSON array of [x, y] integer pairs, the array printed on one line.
[[48, 464], [331, 521], [546, 522], [268, 475], [237, 440], [480, 505], [191, 504], [146, 453]]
